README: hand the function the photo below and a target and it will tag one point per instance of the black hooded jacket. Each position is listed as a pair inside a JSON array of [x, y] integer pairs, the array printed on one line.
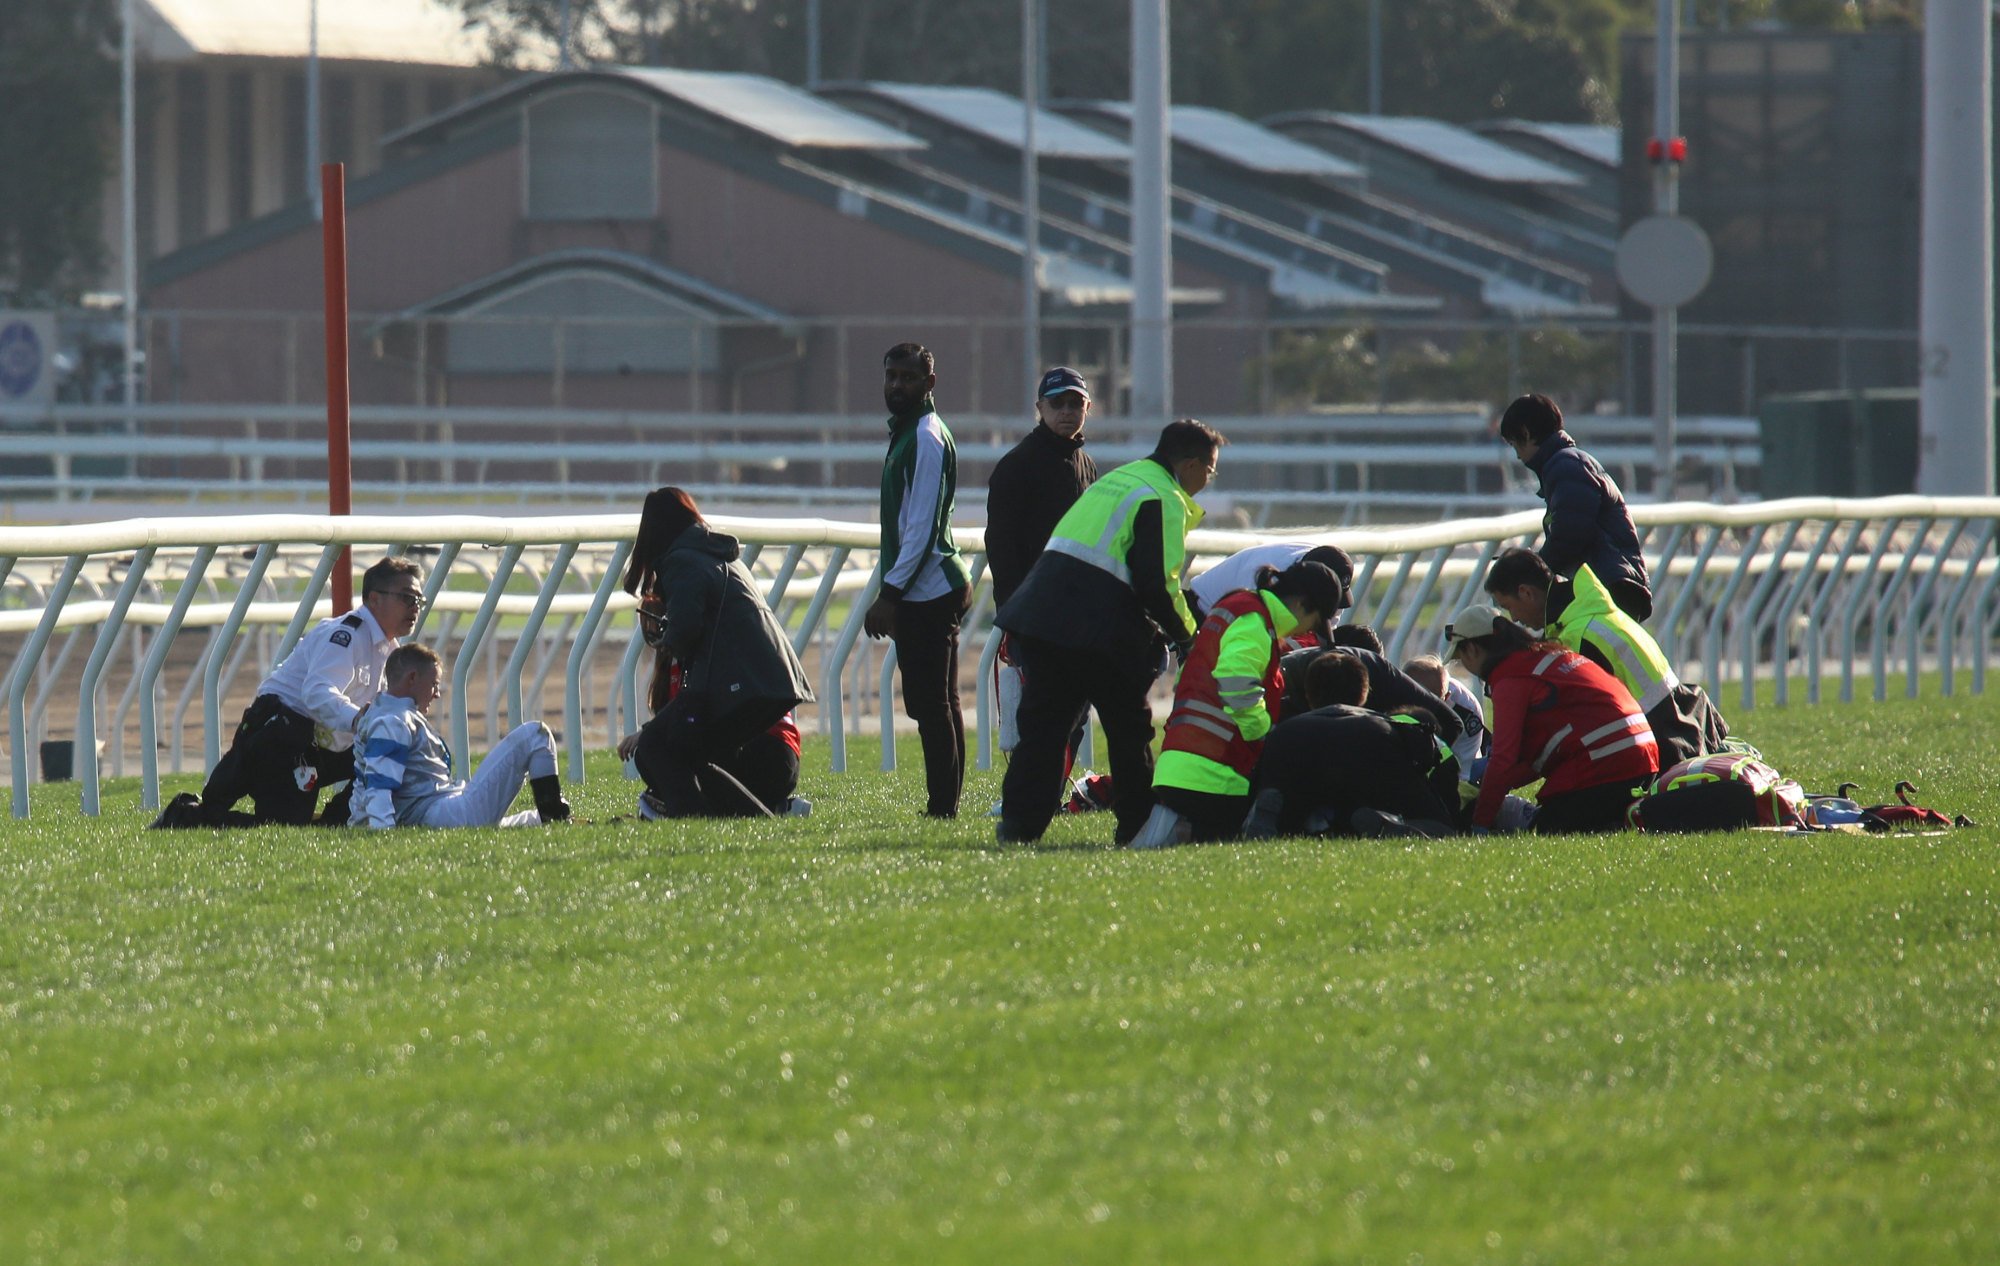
[[732, 651]]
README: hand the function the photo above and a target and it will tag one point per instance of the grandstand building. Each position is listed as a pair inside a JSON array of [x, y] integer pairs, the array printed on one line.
[[222, 102], [663, 239]]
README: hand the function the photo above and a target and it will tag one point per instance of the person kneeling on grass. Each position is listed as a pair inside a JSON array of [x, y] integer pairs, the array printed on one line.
[[1343, 770], [739, 675], [1226, 700], [767, 766], [402, 774], [1557, 717]]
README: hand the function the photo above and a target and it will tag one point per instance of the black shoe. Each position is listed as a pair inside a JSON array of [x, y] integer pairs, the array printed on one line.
[[549, 802], [1262, 821], [183, 811], [1008, 831]]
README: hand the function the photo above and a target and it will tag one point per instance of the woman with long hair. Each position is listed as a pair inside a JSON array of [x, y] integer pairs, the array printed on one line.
[[731, 675], [1557, 717]]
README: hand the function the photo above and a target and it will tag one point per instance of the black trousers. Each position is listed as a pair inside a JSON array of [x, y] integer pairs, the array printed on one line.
[[1058, 685], [1213, 817], [927, 657], [1588, 809], [699, 766], [272, 745]]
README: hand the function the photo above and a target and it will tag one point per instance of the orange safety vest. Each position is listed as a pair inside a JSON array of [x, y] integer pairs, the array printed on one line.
[[1199, 725]]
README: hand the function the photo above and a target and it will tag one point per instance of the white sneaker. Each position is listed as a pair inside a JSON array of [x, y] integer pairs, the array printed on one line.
[[650, 810], [1164, 829], [800, 807]]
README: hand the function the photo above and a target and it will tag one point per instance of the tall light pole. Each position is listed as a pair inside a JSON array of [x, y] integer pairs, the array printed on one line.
[[1666, 201], [1152, 247], [1955, 336], [812, 43], [312, 107], [1031, 197], [1374, 56], [128, 162]]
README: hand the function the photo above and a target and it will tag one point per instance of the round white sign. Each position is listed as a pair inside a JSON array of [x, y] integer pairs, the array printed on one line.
[[1664, 261]]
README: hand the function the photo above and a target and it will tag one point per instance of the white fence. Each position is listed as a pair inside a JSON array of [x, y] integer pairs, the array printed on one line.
[[1437, 462], [1813, 588]]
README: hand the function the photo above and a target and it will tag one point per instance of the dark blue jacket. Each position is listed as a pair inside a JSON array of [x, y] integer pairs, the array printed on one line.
[[1587, 521]]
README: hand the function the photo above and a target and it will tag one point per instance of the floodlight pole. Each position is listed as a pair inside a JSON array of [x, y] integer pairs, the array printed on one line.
[[1031, 199], [812, 44], [339, 453], [1955, 310], [312, 108], [128, 161], [1374, 56], [1666, 201], [1152, 246]]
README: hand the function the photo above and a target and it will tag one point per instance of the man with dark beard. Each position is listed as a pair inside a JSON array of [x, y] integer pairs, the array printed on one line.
[[925, 586]]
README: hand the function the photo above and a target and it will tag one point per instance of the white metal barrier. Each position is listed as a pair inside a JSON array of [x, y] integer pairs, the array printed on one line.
[[1810, 587], [1434, 463]]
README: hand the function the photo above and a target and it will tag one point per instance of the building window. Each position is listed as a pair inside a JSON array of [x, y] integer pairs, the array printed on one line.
[[587, 324], [241, 147], [191, 174], [591, 156]]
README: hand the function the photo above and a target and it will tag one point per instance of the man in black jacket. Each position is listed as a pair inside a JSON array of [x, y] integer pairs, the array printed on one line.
[[1090, 620], [1037, 481], [1337, 769], [1390, 689], [1587, 520], [1031, 487]]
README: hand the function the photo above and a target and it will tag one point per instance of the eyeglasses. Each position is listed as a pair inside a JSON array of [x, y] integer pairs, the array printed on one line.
[[415, 600]]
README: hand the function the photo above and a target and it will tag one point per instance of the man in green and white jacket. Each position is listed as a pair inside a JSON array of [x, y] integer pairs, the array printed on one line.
[[925, 586]]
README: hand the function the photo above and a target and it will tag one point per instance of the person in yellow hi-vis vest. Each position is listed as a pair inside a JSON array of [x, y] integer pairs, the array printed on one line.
[[1583, 617], [1227, 700], [1090, 623]]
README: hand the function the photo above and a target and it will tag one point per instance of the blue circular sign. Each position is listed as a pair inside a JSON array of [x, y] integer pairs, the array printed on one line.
[[20, 359]]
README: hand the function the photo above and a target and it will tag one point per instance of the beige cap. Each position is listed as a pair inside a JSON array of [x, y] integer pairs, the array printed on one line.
[[1477, 620]]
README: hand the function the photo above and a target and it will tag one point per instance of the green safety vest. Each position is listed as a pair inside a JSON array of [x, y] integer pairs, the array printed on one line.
[[1097, 529], [1635, 658]]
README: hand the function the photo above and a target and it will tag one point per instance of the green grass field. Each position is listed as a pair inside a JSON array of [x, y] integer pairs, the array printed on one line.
[[860, 1037]]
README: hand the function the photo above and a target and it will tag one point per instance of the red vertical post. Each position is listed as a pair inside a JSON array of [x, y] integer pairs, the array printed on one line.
[[339, 457]]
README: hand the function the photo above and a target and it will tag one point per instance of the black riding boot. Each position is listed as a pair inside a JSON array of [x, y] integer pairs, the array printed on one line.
[[549, 802]]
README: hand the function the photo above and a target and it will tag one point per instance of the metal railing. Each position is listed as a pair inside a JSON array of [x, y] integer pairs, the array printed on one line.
[[1429, 463], [1812, 588]]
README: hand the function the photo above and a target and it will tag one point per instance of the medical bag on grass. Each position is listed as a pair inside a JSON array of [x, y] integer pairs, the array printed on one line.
[[1723, 792]]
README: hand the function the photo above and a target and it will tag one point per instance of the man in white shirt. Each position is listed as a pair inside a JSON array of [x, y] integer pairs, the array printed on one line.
[[402, 772], [298, 734]]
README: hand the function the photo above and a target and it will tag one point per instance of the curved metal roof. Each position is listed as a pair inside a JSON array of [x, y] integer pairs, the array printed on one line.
[[999, 117], [1447, 145]]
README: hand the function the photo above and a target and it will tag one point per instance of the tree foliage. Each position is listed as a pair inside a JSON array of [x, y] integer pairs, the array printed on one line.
[[58, 97], [1553, 60]]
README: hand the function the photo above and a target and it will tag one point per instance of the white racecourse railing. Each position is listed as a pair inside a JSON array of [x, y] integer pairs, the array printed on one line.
[[1812, 586], [1401, 464]]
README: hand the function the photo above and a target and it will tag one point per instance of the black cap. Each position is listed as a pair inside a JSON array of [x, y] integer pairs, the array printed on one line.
[[1323, 592], [1061, 379], [1336, 560]]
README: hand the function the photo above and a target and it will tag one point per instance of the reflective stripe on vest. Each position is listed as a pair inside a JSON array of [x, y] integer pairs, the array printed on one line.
[[1603, 741], [1636, 659], [1097, 528]]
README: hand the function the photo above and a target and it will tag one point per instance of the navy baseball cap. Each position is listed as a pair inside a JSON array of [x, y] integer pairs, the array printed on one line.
[[1060, 379]]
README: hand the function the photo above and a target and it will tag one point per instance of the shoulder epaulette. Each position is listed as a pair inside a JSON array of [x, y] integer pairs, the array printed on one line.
[[353, 620]]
